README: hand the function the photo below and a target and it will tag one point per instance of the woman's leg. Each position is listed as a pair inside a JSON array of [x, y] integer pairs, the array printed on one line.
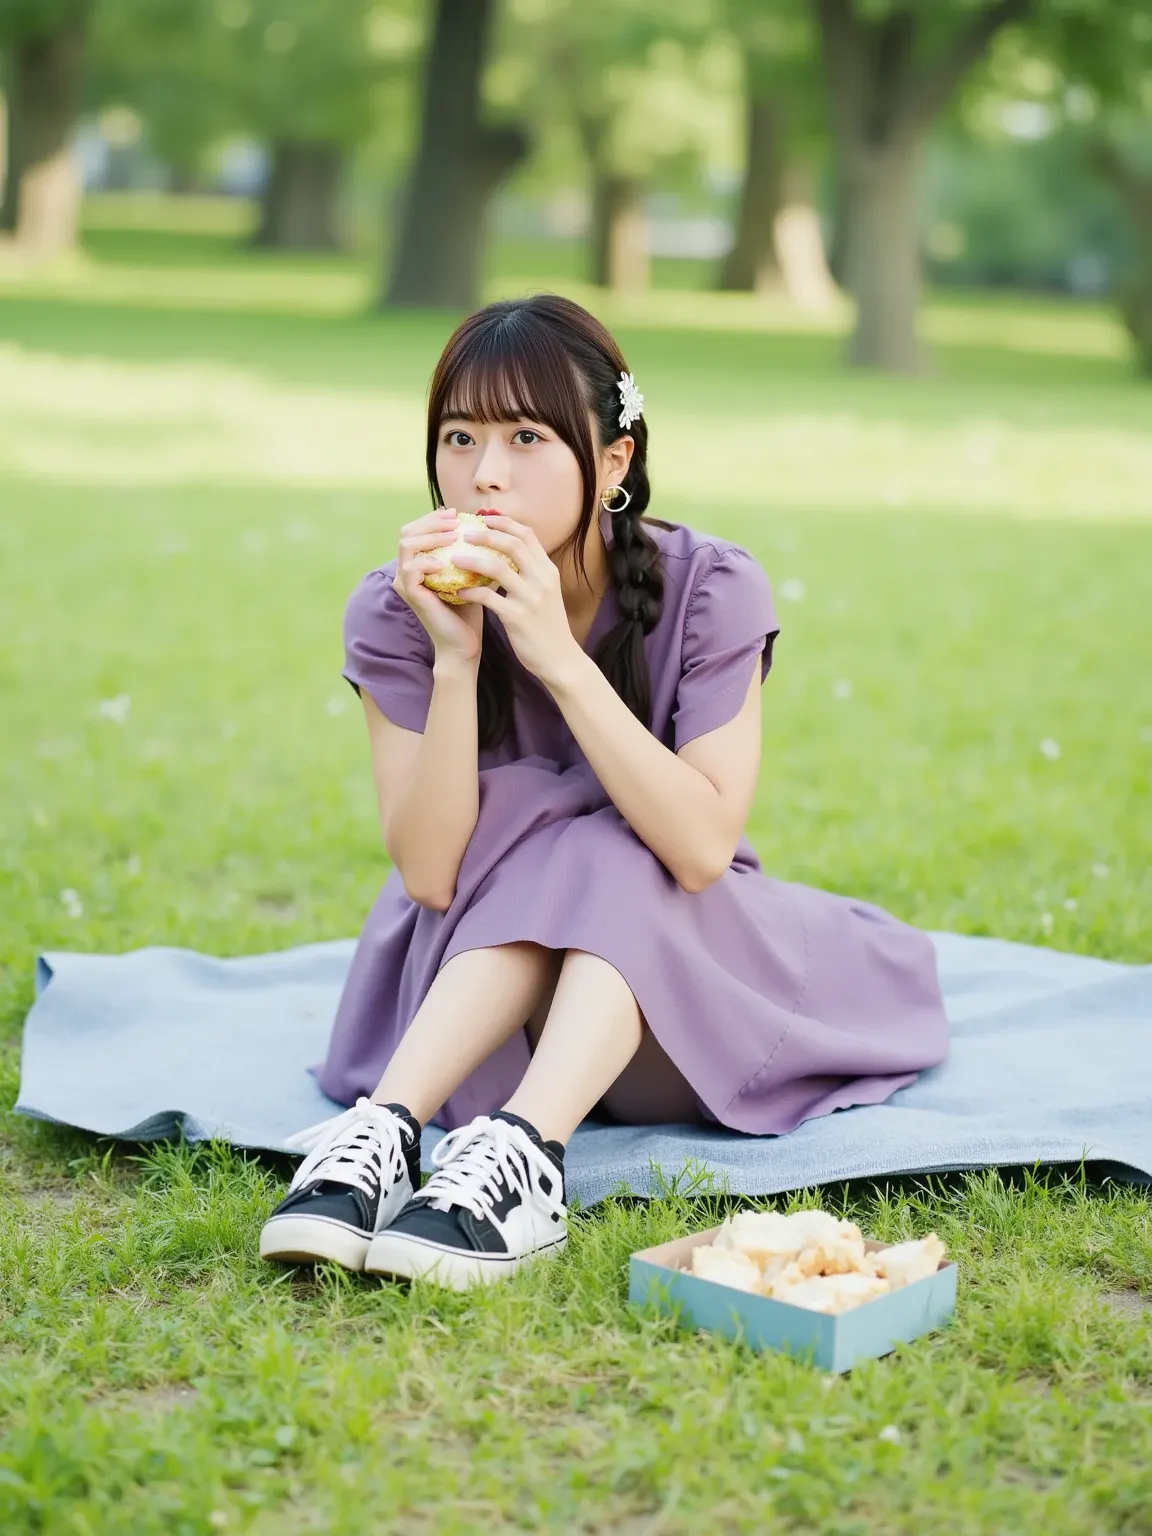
[[593, 1030], [479, 999]]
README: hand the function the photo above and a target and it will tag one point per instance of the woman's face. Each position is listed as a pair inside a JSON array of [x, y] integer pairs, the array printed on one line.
[[522, 469]]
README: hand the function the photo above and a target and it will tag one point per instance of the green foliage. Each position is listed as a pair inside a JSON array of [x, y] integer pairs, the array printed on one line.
[[1028, 213], [638, 89], [275, 69], [38, 18], [781, 60]]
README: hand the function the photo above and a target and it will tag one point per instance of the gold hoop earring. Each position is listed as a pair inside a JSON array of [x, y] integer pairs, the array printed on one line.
[[614, 505]]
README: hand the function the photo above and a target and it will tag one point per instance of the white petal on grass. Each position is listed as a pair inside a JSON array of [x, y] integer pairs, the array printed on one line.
[[793, 590], [1070, 903], [72, 903], [299, 532], [1050, 749], [889, 1434], [842, 688], [133, 865], [1046, 921], [173, 544], [40, 817], [1100, 871], [252, 543], [337, 704], [116, 709]]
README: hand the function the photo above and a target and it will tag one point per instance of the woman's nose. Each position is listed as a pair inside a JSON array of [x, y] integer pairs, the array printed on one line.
[[492, 469]]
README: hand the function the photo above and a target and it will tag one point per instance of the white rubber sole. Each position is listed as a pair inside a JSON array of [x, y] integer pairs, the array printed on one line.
[[312, 1240], [412, 1258]]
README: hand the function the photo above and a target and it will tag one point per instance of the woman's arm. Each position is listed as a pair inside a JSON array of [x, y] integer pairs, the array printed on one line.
[[690, 807], [428, 786]]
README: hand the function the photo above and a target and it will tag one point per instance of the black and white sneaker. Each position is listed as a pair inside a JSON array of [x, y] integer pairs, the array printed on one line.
[[362, 1168], [495, 1202]]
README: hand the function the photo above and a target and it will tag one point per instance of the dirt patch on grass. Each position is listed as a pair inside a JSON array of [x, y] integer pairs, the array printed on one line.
[[152, 1402], [1014, 1472], [1130, 1304], [60, 1197]]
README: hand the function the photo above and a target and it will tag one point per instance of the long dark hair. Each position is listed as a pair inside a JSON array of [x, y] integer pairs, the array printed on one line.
[[547, 359]]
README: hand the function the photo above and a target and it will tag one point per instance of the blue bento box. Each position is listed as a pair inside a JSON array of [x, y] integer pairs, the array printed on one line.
[[662, 1276]]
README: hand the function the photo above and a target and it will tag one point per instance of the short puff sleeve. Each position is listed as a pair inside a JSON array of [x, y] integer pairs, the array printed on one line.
[[387, 651], [730, 622]]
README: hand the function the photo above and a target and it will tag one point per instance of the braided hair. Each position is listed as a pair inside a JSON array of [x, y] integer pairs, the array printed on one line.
[[546, 359]]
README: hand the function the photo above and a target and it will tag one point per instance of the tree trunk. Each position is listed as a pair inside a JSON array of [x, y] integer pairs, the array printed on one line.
[[619, 233], [3, 144], [300, 204], [1134, 188], [883, 98], [799, 242], [882, 259], [41, 206], [459, 163], [752, 265]]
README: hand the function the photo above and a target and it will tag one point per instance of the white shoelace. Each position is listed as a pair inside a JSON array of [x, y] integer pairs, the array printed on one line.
[[469, 1159], [352, 1148]]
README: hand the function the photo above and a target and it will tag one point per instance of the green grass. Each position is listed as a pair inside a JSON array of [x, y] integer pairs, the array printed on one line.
[[200, 452]]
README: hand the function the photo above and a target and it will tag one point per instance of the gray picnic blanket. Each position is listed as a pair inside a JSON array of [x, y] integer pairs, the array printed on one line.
[[1051, 1062]]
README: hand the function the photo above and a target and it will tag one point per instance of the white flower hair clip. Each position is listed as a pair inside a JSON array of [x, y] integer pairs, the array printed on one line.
[[631, 400]]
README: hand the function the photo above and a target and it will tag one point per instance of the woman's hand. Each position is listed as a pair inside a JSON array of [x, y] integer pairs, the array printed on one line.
[[455, 632], [532, 607]]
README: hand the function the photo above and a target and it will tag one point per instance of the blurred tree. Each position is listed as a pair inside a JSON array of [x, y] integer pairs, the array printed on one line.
[[1133, 184], [778, 241], [891, 67], [1010, 200], [459, 162], [599, 54], [307, 77], [1102, 52], [303, 80], [43, 45], [1080, 77], [172, 65], [640, 92]]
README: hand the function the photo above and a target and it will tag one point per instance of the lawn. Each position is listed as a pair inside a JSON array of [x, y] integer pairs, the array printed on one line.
[[201, 451]]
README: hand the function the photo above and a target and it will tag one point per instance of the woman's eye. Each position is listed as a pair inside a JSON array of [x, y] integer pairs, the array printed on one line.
[[454, 439], [526, 432]]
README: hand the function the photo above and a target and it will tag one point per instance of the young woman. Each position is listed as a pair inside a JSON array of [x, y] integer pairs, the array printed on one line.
[[565, 763]]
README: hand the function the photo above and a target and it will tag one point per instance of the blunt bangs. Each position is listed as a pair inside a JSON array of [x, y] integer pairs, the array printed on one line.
[[509, 367]]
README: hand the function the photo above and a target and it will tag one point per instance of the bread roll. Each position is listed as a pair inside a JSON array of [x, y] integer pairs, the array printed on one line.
[[447, 581], [772, 1240], [835, 1256], [829, 1293], [725, 1267], [904, 1263]]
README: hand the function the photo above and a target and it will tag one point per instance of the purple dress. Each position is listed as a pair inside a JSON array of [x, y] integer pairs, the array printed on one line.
[[773, 1002]]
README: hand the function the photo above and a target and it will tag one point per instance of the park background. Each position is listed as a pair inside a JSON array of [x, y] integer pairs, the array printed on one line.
[[884, 274]]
